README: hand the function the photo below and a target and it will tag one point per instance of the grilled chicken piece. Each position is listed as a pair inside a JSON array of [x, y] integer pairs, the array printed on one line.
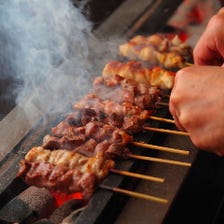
[[128, 117], [158, 49], [117, 90], [122, 102], [135, 70], [63, 170], [90, 140]]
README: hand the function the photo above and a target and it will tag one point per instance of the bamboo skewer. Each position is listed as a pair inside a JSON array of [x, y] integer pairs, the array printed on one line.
[[161, 148], [135, 194], [167, 131], [159, 160], [162, 104], [162, 119], [188, 64], [137, 175], [166, 95]]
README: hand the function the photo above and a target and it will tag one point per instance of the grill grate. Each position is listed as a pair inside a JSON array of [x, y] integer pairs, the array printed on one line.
[[102, 204]]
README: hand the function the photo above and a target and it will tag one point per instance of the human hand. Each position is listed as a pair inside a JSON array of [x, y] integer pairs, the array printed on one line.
[[210, 48], [197, 104]]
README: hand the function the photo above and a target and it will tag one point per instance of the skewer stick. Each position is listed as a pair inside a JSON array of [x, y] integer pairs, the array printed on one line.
[[166, 95], [137, 175], [188, 63], [135, 194], [147, 158], [167, 131], [162, 104], [161, 148], [162, 119]]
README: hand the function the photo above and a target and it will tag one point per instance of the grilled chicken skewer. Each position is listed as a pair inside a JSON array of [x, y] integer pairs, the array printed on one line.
[[135, 70], [63, 170], [161, 50], [69, 171]]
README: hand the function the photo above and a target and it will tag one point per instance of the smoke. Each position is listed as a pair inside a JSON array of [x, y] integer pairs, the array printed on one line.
[[43, 45]]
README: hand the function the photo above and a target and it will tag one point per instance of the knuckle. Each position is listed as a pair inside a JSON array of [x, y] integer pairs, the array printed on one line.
[[221, 10], [217, 20], [174, 98], [184, 120], [198, 142], [183, 74], [173, 103]]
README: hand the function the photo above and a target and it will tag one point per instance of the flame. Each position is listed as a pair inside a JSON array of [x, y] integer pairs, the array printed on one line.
[[61, 197]]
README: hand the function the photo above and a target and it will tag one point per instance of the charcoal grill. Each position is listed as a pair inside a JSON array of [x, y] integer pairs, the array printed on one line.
[[106, 206]]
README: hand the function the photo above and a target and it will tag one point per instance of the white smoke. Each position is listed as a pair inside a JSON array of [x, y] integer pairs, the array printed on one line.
[[43, 44]]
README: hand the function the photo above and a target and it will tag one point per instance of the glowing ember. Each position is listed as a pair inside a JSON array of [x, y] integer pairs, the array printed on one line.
[[61, 197], [183, 36]]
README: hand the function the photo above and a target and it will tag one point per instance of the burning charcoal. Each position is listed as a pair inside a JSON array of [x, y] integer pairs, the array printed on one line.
[[63, 211], [15, 211], [72, 217], [31, 204]]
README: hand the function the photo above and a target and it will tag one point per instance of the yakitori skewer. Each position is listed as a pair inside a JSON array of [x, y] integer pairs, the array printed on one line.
[[135, 194], [167, 131], [137, 175], [161, 148], [162, 104], [159, 160], [162, 119]]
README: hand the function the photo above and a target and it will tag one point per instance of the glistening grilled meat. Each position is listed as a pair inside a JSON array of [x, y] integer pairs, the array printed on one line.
[[158, 49], [128, 117], [135, 70], [95, 136], [122, 89], [63, 170], [120, 102]]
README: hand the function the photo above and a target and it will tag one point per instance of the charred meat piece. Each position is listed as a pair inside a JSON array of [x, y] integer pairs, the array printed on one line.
[[81, 117], [63, 170], [121, 89], [131, 103], [122, 115], [117, 91], [94, 133]]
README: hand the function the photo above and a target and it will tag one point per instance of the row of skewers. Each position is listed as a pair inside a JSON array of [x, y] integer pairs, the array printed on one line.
[[84, 147]]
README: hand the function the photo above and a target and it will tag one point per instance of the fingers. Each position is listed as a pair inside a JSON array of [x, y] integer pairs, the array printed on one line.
[[177, 123], [210, 50], [221, 11], [173, 106], [175, 114]]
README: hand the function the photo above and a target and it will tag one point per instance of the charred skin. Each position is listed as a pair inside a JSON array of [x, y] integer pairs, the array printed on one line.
[[63, 170]]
